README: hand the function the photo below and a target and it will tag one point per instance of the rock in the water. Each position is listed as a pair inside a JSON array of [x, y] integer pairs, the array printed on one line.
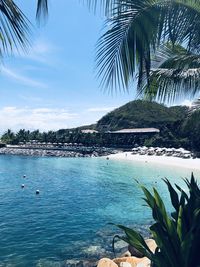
[[94, 250], [120, 244], [133, 261], [125, 264], [144, 263], [81, 263], [105, 262]]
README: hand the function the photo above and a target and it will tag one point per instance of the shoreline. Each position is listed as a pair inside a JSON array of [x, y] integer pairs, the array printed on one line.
[[193, 164]]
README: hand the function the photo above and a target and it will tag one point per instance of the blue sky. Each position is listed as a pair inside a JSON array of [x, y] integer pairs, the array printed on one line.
[[53, 85]]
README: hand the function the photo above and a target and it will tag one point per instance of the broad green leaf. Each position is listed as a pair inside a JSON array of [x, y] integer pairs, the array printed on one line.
[[173, 195]]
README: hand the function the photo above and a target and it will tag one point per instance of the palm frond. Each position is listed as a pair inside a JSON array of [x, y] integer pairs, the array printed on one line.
[[168, 85], [14, 27], [177, 75], [105, 6], [125, 48], [135, 30], [42, 9]]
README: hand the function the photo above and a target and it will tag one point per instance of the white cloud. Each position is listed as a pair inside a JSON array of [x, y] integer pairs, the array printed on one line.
[[40, 51], [41, 47], [101, 109], [21, 78], [31, 99], [35, 118]]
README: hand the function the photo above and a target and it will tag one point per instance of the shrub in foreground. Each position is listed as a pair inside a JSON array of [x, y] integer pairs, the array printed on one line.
[[177, 235]]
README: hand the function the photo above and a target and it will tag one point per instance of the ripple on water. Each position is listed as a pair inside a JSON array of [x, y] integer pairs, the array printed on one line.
[[69, 219]]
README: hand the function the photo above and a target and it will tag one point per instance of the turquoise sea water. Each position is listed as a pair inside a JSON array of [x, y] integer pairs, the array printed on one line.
[[78, 198]]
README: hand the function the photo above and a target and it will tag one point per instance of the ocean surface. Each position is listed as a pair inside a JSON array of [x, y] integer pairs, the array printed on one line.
[[78, 199]]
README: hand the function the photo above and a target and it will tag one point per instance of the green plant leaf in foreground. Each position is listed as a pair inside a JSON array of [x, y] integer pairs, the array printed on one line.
[[177, 235]]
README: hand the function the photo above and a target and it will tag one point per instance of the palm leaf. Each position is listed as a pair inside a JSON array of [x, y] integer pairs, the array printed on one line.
[[42, 9], [135, 239], [135, 30], [177, 75], [106, 6], [14, 27]]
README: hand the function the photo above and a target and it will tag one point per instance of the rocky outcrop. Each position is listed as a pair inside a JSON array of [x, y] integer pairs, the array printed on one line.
[[105, 262], [76, 153], [128, 259], [124, 262], [131, 261]]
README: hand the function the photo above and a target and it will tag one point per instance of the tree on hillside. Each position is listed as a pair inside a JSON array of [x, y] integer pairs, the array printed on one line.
[[191, 129], [8, 136]]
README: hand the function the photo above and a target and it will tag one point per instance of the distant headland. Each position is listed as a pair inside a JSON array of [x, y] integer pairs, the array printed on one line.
[[137, 123]]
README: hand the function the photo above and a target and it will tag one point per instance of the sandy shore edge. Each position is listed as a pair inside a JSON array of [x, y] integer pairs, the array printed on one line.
[[193, 164]]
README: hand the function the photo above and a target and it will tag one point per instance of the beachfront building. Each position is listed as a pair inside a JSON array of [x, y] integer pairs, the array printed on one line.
[[122, 138], [133, 136]]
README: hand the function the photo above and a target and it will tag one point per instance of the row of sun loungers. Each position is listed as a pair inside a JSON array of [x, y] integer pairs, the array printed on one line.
[[162, 151]]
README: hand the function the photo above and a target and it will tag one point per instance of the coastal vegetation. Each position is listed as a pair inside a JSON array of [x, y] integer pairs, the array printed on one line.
[[175, 124], [147, 41], [176, 235]]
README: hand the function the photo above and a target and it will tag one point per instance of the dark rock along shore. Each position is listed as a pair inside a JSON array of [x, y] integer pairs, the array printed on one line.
[[47, 152]]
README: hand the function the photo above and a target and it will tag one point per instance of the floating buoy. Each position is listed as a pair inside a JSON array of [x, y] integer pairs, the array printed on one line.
[[24, 176], [37, 192], [22, 186]]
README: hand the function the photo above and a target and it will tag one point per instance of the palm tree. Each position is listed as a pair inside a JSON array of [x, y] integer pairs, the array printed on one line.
[[8, 136], [175, 73], [135, 31], [15, 26]]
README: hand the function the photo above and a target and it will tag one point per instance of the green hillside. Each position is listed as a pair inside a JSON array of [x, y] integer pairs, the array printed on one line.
[[177, 128], [138, 114]]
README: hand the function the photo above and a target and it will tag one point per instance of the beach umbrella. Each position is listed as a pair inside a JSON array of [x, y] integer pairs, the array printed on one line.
[[144, 148], [151, 149], [180, 149]]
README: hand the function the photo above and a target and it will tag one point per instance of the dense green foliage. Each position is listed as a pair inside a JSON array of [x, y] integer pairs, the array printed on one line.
[[177, 128], [176, 235], [191, 129], [142, 114]]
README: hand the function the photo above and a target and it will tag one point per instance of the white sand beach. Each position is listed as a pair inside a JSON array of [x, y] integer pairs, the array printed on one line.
[[193, 164]]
